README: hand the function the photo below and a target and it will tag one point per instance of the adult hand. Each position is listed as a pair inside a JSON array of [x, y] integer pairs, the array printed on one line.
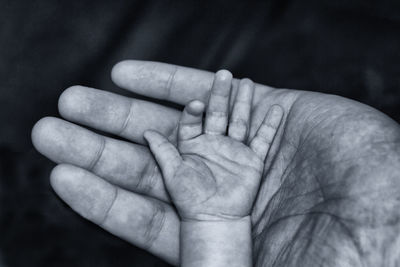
[[329, 195]]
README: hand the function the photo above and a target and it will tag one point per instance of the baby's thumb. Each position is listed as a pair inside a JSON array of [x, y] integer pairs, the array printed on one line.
[[165, 153]]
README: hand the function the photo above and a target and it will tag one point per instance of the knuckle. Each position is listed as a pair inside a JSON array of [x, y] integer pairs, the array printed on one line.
[[155, 224], [99, 154], [148, 177], [238, 122], [237, 129], [107, 212], [266, 136], [217, 114]]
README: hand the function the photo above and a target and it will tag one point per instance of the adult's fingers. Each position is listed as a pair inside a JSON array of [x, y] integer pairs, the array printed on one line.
[[265, 135], [122, 163], [191, 121], [218, 105], [119, 115], [144, 222], [163, 81], [239, 119], [170, 82]]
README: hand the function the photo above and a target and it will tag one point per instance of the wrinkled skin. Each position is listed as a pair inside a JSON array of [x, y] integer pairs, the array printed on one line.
[[329, 196]]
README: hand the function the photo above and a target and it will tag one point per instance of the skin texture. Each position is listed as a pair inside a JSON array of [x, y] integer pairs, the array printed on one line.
[[211, 175], [213, 178], [328, 197]]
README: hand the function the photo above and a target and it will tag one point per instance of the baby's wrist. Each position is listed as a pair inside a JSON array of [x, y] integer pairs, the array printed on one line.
[[216, 242], [213, 218]]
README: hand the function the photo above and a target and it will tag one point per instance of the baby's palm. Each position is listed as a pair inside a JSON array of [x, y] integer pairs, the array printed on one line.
[[214, 176], [218, 176]]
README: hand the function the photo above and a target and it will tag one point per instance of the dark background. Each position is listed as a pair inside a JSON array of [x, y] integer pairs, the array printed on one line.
[[349, 48]]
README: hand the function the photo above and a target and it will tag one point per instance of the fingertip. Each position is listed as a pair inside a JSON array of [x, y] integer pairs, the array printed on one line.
[[147, 136], [274, 116], [246, 84], [119, 71], [150, 135], [64, 179], [70, 100], [223, 75], [195, 107], [276, 111], [245, 92], [37, 131], [58, 179], [42, 131], [83, 191]]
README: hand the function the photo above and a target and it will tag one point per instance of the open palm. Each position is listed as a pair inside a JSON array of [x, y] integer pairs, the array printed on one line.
[[208, 182], [329, 192], [214, 176]]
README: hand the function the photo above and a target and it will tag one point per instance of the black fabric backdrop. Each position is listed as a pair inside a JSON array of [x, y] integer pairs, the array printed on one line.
[[349, 48]]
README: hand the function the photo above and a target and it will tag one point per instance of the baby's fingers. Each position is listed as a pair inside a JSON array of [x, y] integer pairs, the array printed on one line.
[[191, 122], [239, 120], [262, 141], [217, 109], [166, 154]]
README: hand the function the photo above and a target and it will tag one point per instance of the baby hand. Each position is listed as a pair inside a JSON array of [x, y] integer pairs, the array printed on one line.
[[213, 176]]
